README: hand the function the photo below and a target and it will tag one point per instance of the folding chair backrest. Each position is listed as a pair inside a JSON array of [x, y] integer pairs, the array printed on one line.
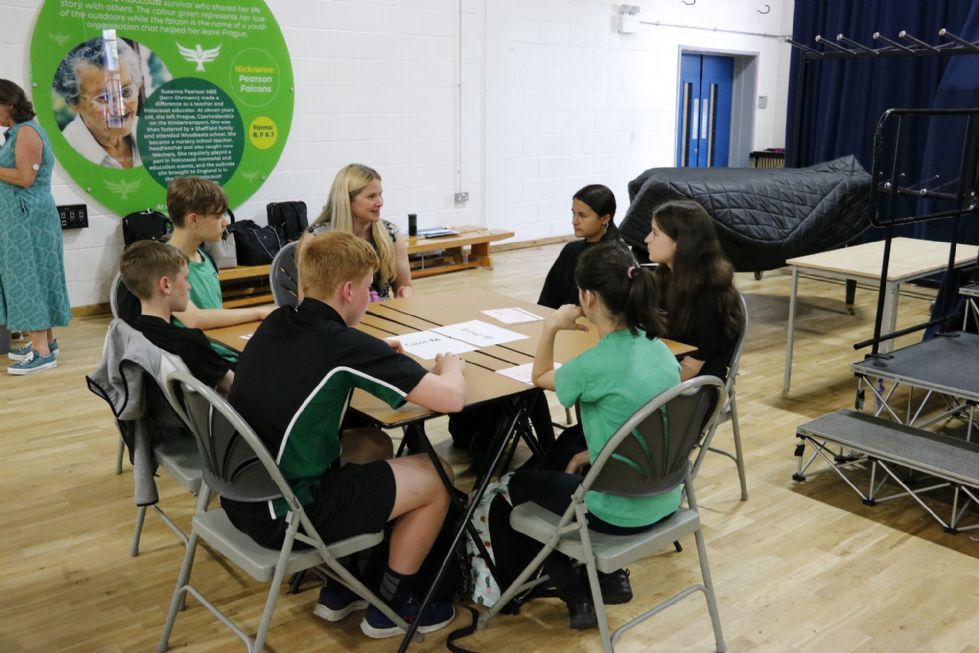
[[650, 453], [236, 463], [732, 368], [122, 302], [284, 276]]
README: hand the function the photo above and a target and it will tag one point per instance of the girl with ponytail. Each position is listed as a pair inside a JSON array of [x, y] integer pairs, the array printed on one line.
[[609, 382]]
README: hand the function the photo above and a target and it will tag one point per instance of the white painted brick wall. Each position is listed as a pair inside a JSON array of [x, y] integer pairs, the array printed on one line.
[[595, 106], [553, 98]]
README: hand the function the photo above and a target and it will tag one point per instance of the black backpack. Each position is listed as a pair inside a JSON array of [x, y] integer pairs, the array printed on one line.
[[145, 225], [255, 245], [288, 219]]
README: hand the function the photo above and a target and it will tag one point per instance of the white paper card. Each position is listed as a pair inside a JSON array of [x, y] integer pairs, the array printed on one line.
[[428, 344], [522, 373], [512, 315], [479, 333]]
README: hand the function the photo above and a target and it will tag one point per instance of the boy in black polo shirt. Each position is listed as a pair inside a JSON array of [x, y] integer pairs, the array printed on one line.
[[157, 274], [293, 385]]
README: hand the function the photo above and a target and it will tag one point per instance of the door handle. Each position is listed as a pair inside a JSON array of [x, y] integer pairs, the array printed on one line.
[[685, 125], [703, 117], [711, 118]]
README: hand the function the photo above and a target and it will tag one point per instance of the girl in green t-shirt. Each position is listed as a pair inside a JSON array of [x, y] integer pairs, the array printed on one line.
[[609, 382]]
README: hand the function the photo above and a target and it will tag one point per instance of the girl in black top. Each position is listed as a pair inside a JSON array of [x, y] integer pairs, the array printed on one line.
[[696, 286], [592, 211]]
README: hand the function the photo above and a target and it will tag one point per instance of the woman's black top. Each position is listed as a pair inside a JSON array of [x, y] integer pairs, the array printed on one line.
[[559, 285]]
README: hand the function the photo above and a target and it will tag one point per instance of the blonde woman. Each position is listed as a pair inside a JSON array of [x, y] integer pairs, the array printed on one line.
[[354, 205]]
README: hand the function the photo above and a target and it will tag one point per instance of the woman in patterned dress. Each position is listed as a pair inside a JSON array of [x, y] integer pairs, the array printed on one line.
[[33, 292]]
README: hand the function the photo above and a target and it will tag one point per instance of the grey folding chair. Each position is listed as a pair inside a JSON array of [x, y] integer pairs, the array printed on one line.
[[170, 447], [238, 466], [124, 306], [179, 457], [730, 411], [114, 307], [284, 276], [649, 455]]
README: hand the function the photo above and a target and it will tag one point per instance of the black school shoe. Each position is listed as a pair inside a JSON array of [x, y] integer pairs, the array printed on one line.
[[581, 613], [615, 587]]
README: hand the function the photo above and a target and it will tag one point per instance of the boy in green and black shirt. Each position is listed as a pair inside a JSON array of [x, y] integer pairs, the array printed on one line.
[[293, 385]]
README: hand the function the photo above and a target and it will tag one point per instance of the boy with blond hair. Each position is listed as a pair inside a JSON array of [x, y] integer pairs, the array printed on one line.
[[198, 210], [314, 358], [157, 274]]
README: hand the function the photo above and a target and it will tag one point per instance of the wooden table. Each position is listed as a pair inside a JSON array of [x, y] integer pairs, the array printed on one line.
[[394, 317], [910, 259]]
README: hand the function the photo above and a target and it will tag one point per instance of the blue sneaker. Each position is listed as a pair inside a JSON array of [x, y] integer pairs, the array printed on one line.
[[337, 601], [377, 626], [33, 362], [20, 353]]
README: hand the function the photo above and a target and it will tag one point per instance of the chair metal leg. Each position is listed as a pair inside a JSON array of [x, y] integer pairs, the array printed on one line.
[[177, 601], [273, 597], [715, 617], [119, 453], [137, 530], [596, 591], [738, 451]]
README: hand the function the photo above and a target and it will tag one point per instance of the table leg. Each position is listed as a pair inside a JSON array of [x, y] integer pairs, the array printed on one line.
[[787, 380], [458, 256], [889, 321], [519, 414], [851, 295], [481, 250]]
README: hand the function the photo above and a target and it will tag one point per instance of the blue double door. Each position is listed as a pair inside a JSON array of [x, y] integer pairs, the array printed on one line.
[[704, 110]]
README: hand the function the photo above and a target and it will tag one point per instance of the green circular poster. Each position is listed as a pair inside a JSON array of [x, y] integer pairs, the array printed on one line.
[[133, 93]]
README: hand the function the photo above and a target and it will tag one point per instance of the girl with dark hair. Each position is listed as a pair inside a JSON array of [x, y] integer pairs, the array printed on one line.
[[592, 213], [611, 381], [33, 292], [696, 284]]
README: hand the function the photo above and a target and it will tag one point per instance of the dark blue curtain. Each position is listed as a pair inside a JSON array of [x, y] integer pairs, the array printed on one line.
[[834, 105]]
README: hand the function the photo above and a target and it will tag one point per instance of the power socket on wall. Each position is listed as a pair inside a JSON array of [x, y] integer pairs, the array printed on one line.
[[73, 216]]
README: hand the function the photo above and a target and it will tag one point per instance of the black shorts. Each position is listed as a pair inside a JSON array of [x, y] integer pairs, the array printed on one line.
[[350, 500]]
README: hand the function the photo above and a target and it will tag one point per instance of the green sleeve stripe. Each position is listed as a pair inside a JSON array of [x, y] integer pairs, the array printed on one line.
[[384, 391]]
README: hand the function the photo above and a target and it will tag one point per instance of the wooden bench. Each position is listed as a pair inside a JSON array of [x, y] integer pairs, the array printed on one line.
[[889, 445], [247, 285], [427, 261]]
